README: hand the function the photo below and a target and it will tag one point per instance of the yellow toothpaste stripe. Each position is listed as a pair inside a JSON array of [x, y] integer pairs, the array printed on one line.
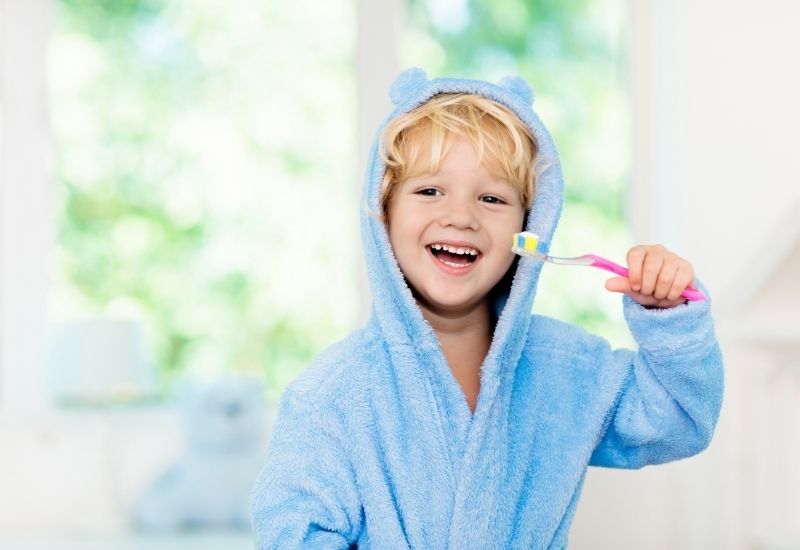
[[531, 244], [525, 242]]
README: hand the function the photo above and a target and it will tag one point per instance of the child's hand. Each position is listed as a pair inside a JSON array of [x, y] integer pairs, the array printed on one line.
[[656, 277]]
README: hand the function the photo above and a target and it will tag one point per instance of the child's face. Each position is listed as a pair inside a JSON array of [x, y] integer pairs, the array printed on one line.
[[462, 206]]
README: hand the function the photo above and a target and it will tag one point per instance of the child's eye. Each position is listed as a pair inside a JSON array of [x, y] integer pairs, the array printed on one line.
[[428, 192], [491, 199]]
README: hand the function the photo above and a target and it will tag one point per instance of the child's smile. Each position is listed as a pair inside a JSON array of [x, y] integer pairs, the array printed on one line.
[[450, 231]]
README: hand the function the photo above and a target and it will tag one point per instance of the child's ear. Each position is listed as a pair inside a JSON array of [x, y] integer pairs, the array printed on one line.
[[518, 87], [408, 83]]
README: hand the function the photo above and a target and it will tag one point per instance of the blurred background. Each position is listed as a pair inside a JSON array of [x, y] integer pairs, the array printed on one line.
[[167, 168]]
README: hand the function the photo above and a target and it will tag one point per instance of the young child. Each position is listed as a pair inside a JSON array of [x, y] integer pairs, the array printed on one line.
[[455, 418]]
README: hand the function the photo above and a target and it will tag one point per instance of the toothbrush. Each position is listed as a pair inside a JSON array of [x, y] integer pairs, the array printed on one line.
[[526, 244]]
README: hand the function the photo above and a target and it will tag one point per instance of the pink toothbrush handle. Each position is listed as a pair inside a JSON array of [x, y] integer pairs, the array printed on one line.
[[691, 294]]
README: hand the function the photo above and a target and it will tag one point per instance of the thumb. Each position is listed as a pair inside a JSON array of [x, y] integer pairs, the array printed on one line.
[[618, 284]]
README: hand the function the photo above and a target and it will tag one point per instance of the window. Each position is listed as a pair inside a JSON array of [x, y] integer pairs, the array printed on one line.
[[205, 151], [204, 159]]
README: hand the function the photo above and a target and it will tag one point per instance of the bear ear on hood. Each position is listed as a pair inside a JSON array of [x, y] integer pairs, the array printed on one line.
[[518, 87], [409, 83]]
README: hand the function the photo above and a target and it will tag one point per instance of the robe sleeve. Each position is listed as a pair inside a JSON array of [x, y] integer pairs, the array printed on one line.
[[306, 495], [669, 403]]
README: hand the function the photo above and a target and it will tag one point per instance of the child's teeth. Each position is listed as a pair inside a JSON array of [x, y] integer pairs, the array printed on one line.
[[454, 250], [454, 264]]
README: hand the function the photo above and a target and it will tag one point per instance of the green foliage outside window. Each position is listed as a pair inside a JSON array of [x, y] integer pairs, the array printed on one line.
[[203, 157]]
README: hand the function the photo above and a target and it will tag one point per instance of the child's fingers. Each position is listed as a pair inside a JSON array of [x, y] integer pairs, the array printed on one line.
[[666, 278], [653, 262], [623, 286], [656, 277], [635, 259], [619, 284], [683, 278]]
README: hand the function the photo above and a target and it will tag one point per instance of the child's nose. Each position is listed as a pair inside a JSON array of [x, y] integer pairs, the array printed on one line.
[[461, 215]]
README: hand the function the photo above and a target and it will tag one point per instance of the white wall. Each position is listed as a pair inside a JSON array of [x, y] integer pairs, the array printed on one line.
[[715, 88], [740, 117]]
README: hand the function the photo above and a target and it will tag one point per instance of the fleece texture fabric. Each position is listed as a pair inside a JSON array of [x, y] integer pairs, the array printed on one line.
[[375, 446]]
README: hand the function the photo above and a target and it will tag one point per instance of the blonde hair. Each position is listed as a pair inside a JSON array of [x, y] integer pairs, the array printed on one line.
[[493, 129]]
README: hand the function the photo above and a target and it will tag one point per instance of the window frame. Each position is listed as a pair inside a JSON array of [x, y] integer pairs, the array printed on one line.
[[26, 225]]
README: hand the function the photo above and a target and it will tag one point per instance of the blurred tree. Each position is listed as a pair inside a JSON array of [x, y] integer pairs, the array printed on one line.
[[196, 160]]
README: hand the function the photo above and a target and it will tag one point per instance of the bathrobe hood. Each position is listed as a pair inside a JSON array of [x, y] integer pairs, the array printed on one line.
[[394, 307]]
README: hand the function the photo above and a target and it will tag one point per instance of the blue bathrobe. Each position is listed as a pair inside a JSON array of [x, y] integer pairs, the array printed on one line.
[[374, 444]]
